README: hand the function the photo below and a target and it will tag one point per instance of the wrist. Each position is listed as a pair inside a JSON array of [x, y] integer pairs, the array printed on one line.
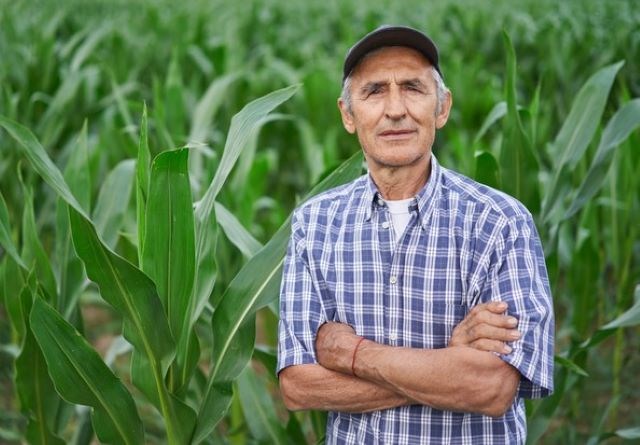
[[353, 357]]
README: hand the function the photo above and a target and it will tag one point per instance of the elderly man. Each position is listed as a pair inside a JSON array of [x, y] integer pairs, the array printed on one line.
[[402, 289]]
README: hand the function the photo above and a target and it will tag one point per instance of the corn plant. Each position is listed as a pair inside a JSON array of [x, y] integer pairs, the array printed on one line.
[[160, 300], [559, 132]]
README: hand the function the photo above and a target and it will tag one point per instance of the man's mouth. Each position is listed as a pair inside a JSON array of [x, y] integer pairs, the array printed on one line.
[[396, 133]]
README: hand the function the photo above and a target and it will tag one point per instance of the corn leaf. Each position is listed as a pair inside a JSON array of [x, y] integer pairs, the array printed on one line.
[[70, 271], [259, 409], [142, 180], [113, 201], [33, 253], [618, 129], [628, 433], [5, 234], [243, 126], [134, 296], [12, 283], [576, 134], [487, 169], [202, 117], [38, 398], [174, 110], [127, 289], [255, 286], [81, 377], [518, 165], [41, 163], [50, 126], [237, 234], [571, 366], [169, 253], [630, 317]]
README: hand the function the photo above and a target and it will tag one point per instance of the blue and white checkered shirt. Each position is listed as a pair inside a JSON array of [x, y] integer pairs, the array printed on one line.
[[465, 244]]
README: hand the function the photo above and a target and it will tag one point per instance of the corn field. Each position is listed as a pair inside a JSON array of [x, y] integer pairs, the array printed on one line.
[[151, 152]]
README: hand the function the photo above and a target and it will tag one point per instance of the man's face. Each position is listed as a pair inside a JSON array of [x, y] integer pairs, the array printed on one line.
[[393, 108]]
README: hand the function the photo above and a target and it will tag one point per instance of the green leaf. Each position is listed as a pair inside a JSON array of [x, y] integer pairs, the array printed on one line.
[[142, 180], [203, 114], [576, 134], [518, 165], [50, 126], [487, 169], [127, 289], [33, 253], [81, 377], [5, 234], [113, 201], [259, 409], [497, 112], [12, 283], [169, 253], [621, 125], [38, 398], [39, 160], [629, 433], [77, 172], [571, 366], [237, 234], [255, 286], [70, 271], [243, 126], [146, 327], [174, 89], [631, 317]]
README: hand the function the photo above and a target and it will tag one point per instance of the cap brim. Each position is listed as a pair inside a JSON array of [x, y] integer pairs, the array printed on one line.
[[391, 36]]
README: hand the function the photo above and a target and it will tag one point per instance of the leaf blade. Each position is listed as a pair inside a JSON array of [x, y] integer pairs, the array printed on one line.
[[253, 287]]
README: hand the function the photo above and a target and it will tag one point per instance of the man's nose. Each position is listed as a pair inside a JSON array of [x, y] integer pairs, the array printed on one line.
[[395, 108]]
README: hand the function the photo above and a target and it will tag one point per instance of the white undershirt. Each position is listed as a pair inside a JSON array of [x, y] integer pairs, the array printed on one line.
[[400, 215]]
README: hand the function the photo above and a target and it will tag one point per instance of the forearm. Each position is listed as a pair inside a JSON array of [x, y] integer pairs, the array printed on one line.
[[455, 378], [315, 387]]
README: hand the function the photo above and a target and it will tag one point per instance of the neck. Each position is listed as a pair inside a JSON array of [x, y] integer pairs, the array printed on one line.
[[400, 183]]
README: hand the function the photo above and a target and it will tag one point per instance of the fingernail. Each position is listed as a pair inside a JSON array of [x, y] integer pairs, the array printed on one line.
[[507, 349], [502, 305], [514, 334], [512, 321]]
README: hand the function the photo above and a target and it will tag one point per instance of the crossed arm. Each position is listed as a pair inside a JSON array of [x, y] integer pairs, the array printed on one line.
[[466, 376]]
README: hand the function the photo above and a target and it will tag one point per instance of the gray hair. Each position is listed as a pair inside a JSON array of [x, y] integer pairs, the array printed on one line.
[[441, 90]]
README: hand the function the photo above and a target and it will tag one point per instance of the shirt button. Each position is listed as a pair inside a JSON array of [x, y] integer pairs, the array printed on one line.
[[385, 225], [393, 280], [393, 337]]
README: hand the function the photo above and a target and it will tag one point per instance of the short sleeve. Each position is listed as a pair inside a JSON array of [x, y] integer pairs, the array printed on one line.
[[517, 275], [301, 309]]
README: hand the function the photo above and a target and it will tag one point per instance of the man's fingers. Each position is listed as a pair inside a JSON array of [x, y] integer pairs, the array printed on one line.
[[491, 346], [497, 307], [490, 332], [482, 314]]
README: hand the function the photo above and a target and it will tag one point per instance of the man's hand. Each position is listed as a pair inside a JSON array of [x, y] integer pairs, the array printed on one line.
[[486, 328], [335, 345]]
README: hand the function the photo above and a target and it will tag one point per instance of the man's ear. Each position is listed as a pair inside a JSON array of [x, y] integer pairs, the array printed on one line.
[[347, 117], [445, 108]]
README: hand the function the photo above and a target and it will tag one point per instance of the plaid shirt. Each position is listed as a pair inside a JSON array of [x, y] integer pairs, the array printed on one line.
[[465, 244]]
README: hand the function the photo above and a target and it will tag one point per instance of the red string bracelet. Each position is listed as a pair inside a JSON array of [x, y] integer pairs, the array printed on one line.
[[353, 360]]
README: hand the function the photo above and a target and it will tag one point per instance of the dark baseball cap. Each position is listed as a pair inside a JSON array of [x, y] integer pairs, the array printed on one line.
[[391, 36]]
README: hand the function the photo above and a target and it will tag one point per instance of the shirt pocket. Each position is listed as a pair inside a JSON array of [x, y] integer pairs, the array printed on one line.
[[433, 329]]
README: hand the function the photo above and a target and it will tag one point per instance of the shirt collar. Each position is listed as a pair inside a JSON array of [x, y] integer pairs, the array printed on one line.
[[424, 199]]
